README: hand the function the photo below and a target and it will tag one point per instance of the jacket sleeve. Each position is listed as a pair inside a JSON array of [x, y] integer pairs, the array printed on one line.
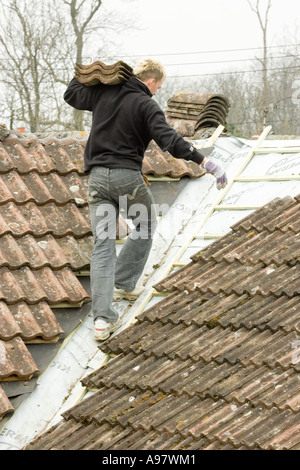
[[80, 96], [166, 137]]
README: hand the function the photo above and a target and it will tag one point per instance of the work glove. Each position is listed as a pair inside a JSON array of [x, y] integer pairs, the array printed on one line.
[[218, 172]]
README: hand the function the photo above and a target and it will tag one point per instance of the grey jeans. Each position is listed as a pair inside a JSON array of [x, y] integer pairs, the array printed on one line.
[[110, 192]]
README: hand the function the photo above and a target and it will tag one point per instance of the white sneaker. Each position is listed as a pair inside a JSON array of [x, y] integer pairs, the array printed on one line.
[[120, 294], [103, 329]]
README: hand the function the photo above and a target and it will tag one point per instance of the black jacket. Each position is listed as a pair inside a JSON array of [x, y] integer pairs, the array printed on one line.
[[125, 120]]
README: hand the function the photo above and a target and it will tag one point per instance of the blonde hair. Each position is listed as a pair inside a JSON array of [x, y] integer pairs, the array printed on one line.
[[149, 68]]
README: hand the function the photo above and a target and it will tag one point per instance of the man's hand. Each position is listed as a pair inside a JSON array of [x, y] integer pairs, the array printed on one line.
[[217, 171]]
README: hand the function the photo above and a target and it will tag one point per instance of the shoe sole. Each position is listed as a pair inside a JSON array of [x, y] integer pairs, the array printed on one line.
[[102, 338], [108, 333], [119, 297]]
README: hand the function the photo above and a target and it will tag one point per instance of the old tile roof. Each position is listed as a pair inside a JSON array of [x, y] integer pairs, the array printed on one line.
[[214, 365], [46, 239], [160, 164]]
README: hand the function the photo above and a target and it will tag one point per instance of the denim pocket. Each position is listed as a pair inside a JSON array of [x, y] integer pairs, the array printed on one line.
[[130, 185], [94, 192]]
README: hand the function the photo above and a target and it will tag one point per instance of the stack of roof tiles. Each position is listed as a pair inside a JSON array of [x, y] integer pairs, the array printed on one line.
[[189, 112], [215, 365], [98, 72]]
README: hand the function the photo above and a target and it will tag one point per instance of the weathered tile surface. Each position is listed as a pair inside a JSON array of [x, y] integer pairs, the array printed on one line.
[[45, 236], [215, 364]]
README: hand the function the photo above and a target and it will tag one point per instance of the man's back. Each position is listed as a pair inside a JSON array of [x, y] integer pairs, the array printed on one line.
[[125, 119], [119, 135]]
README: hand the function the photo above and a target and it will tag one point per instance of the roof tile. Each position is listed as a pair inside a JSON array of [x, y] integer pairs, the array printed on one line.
[[42, 220], [43, 284], [6, 162], [278, 214], [252, 246], [35, 322], [159, 163], [66, 156], [188, 112], [233, 383], [16, 361], [5, 405], [99, 72], [28, 156], [221, 277], [197, 418]]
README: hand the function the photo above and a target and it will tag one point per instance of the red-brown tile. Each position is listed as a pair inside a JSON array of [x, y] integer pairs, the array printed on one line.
[[42, 252], [6, 162], [28, 157], [42, 220], [37, 322], [66, 158], [43, 284], [30, 322], [76, 251], [5, 405], [20, 193], [9, 326], [159, 163], [16, 361]]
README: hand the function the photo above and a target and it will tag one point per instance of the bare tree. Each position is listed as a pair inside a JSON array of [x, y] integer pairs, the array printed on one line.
[[25, 42], [263, 18], [284, 82], [39, 45], [82, 14]]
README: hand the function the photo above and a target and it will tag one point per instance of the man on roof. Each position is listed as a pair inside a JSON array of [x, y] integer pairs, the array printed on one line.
[[125, 120]]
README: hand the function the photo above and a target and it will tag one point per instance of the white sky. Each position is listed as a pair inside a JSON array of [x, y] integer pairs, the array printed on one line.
[[183, 28]]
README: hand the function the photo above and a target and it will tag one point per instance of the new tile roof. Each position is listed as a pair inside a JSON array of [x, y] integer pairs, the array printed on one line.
[[215, 364]]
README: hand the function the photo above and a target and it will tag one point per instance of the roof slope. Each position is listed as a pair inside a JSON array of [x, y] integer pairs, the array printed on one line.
[[215, 365], [46, 238]]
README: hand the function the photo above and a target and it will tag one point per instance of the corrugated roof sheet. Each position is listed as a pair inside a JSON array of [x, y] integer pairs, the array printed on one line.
[[214, 365]]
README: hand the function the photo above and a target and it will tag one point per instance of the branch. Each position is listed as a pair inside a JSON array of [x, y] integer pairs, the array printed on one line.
[[256, 10], [93, 12]]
